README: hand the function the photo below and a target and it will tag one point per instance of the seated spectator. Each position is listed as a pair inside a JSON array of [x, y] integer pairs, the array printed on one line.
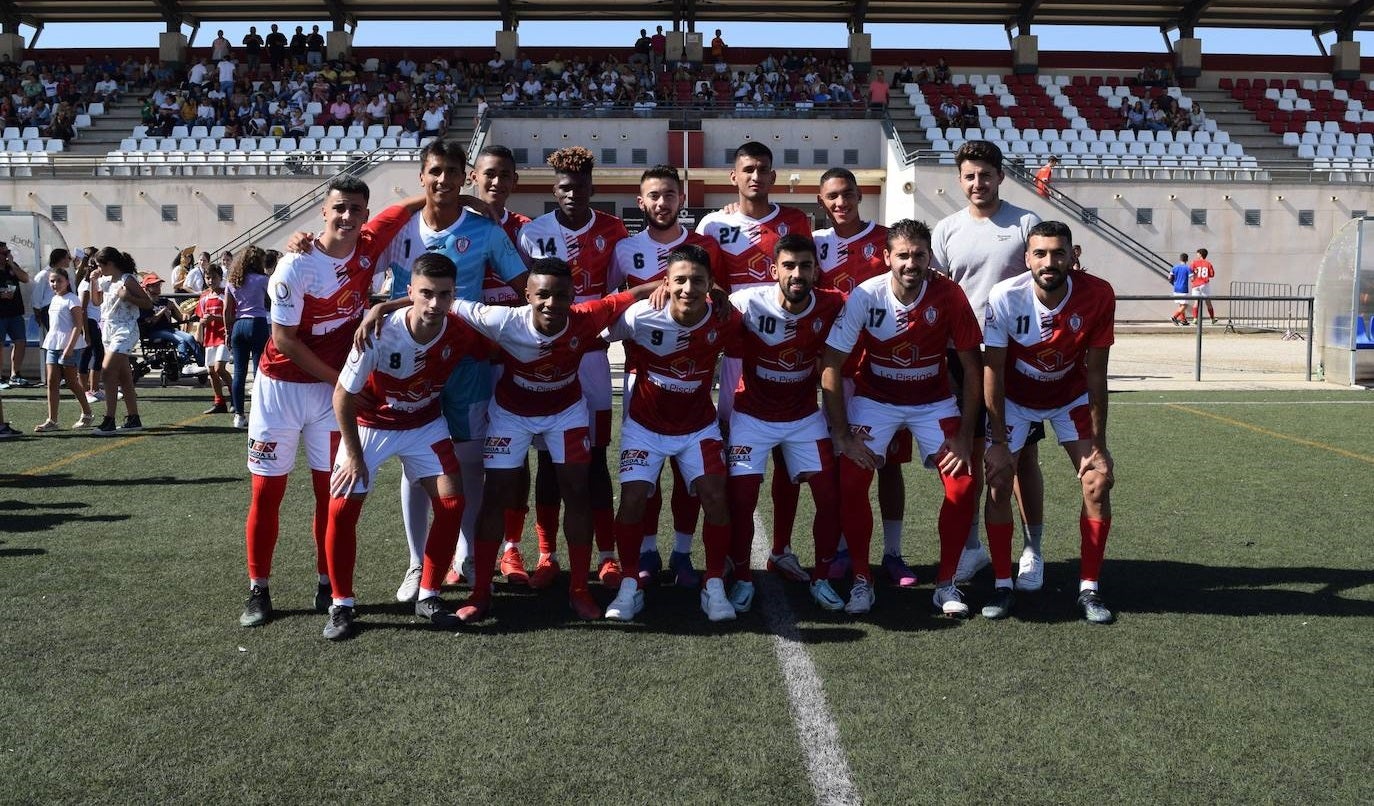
[[510, 96], [434, 121], [903, 76], [1197, 118], [378, 110], [1155, 118], [941, 74], [924, 75], [163, 321], [106, 89], [340, 110], [1134, 116], [949, 112], [968, 114]]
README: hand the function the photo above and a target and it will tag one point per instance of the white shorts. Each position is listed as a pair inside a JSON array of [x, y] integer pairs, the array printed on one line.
[[594, 373], [1071, 422], [1180, 296], [509, 436], [119, 339], [1204, 290], [643, 452], [804, 443], [281, 413], [930, 424], [730, 371], [219, 354], [425, 452], [899, 449]]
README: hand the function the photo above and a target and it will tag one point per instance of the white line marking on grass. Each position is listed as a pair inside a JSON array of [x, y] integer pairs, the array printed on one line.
[[826, 764]]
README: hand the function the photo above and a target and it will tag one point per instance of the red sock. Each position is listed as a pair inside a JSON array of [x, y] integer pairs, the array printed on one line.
[[341, 543], [1092, 546], [515, 524], [648, 525], [603, 526], [856, 514], [716, 538], [628, 538], [442, 540], [546, 527], [319, 479], [742, 493], [685, 505], [999, 546], [579, 562], [484, 552], [264, 513], [956, 519], [825, 493], [785, 495]]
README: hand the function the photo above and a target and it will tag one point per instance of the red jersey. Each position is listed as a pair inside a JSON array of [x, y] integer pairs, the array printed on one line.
[[846, 262], [210, 309], [674, 365], [904, 362], [540, 376], [1045, 366], [398, 381], [1203, 271], [496, 291], [746, 244], [588, 250], [780, 351], [640, 259], [324, 297]]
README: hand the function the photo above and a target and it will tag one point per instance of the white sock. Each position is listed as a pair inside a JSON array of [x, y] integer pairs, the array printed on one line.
[[343, 602], [892, 538], [415, 515], [682, 543], [260, 582], [1086, 585], [505, 545], [426, 593], [649, 543]]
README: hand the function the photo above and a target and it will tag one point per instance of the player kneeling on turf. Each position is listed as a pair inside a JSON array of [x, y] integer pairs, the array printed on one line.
[[387, 404], [670, 415], [1048, 332]]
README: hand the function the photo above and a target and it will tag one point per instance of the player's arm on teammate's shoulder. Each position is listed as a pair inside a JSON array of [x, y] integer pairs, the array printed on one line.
[[1095, 367], [997, 457], [371, 326]]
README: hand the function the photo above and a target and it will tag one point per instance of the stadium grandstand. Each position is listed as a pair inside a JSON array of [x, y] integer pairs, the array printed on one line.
[[1262, 158]]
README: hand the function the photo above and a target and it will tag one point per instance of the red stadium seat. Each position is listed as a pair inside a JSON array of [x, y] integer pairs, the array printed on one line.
[[1225, 83], [1243, 83]]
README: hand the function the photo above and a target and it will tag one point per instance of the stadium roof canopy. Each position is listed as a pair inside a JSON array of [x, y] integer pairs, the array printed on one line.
[[1319, 16]]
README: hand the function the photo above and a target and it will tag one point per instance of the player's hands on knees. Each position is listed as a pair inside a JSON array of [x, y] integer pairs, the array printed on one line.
[[997, 462], [347, 472], [852, 446], [302, 243], [954, 457], [1098, 460]]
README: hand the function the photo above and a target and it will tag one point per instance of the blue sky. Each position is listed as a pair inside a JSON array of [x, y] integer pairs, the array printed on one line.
[[803, 35]]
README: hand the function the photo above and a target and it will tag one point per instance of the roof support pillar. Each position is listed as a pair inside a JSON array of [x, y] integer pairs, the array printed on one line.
[[1025, 54], [12, 47], [1188, 57], [1345, 60]]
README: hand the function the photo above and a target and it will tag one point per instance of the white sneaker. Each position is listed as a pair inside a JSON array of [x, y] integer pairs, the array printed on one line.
[[240, 421], [94, 397], [860, 597], [949, 601], [45, 426], [714, 602], [971, 561], [825, 595], [627, 603], [742, 596], [1030, 576], [86, 421], [410, 585], [788, 565]]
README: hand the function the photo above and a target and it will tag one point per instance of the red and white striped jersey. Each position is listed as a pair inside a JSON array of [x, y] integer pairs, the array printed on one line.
[[746, 244], [640, 259], [780, 351], [588, 250], [846, 262], [496, 291]]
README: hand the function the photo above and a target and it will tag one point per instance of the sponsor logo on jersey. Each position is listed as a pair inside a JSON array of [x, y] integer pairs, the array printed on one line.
[[632, 458], [739, 455], [573, 343], [711, 336], [259, 451]]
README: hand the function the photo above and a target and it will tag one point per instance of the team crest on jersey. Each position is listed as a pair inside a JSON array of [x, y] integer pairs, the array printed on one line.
[[259, 451], [282, 291], [461, 244], [739, 455], [711, 336], [365, 262], [1075, 322], [783, 230], [869, 249], [816, 325], [633, 458], [600, 243], [931, 315], [573, 343], [446, 352]]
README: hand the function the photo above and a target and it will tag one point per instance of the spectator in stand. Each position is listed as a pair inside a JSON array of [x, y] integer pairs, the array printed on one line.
[[434, 122], [643, 48], [718, 47], [1147, 76], [298, 45], [1134, 116], [878, 91], [949, 113], [510, 96], [1197, 118], [219, 49], [903, 77], [1155, 119], [252, 48], [941, 73], [276, 48], [63, 342], [245, 319], [198, 74], [406, 66], [314, 47], [658, 48], [1045, 175], [12, 325], [378, 110], [968, 114], [226, 67], [106, 90], [340, 110]]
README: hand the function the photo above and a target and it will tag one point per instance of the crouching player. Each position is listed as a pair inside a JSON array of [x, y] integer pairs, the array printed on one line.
[[387, 404], [540, 396], [903, 321], [670, 416], [1048, 333], [785, 327]]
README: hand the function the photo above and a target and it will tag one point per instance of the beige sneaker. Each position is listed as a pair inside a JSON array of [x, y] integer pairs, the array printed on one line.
[[45, 426]]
